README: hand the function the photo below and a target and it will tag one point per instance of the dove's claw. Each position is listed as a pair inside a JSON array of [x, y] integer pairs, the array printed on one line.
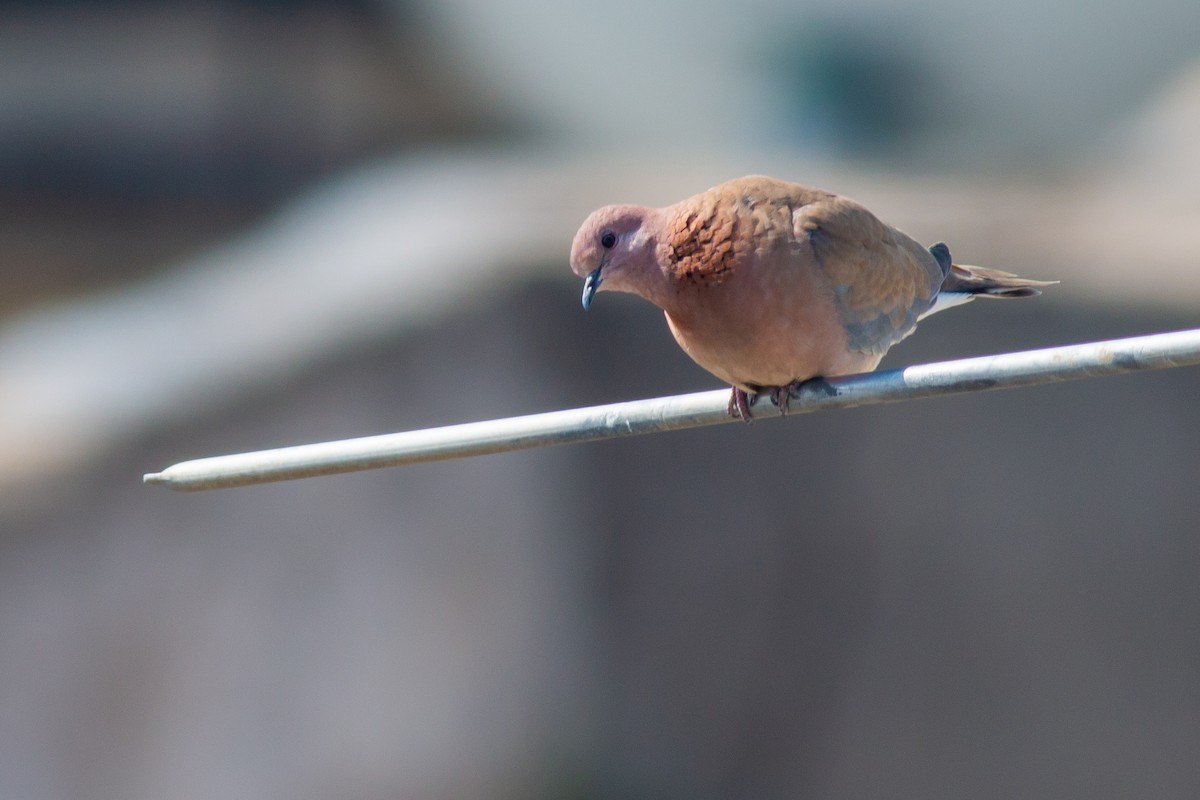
[[780, 395], [739, 404]]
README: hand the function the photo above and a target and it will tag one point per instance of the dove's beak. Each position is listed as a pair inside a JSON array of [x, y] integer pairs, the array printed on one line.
[[590, 284]]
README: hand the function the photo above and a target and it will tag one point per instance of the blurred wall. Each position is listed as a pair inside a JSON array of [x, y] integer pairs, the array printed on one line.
[[981, 596]]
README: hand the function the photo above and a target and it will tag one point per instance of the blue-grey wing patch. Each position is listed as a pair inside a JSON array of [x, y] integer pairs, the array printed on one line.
[[878, 334]]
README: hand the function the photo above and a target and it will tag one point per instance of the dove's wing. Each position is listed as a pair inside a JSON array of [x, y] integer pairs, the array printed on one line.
[[882, 279]]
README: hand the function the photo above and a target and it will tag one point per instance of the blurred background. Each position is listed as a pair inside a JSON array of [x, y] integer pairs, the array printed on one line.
[[226, 226]]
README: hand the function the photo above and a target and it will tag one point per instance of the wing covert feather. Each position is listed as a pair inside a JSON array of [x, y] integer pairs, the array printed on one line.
[[882, 279]]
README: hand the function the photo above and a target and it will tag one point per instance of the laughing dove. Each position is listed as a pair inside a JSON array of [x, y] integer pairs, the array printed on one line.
[[767, 284]]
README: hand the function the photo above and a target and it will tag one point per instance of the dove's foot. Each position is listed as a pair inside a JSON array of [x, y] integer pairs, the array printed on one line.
[[782, 395], [739, 404]]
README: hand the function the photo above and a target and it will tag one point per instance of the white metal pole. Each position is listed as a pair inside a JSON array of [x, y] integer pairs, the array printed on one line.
[[1158, 351]]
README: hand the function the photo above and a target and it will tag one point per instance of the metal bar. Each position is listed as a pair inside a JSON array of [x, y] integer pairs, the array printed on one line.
[[1158, 351]]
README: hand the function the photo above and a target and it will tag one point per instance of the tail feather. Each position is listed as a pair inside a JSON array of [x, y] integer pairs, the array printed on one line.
[[963, 279], [966, 282], [961, 283]]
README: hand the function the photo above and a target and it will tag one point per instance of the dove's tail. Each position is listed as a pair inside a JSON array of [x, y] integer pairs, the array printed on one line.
[[963, 283], [990, 283]]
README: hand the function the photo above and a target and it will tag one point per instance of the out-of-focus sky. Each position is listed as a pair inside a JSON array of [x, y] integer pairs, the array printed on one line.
[[959, 82], [246, 90]]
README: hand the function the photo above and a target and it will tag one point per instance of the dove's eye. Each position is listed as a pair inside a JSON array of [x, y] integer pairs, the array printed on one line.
[[608, 239]]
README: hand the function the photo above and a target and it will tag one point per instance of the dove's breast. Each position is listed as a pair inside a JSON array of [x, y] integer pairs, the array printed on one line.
[[747, 303]]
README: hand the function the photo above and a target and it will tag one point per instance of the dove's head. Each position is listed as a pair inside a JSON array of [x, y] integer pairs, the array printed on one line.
[[615, 250]]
